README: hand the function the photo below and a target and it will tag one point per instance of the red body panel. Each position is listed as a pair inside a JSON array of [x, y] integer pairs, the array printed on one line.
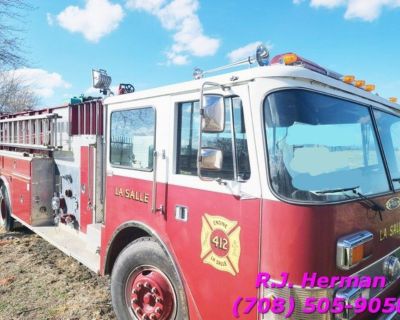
[[18, 173], [21, 198], [306, 238], [120, 210], [213, 290], [18, 166], [86, 194], [203, 283]]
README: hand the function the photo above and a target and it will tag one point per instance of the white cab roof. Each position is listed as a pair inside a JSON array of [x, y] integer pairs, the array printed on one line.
[[251, 74]]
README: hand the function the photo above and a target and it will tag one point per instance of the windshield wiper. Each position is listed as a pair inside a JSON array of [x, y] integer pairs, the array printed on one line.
[[336, 190], [370, 203]]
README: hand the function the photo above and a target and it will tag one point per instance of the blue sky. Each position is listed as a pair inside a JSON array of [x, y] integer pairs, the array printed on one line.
[[155, 42]]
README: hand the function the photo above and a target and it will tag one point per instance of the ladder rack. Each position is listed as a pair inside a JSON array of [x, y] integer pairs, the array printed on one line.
[[37, 132]]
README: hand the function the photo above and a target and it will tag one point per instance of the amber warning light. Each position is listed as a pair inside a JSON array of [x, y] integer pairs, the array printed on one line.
[[353, 249]]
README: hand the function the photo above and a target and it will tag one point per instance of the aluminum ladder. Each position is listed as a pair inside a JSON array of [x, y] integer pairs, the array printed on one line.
[[37, 132]]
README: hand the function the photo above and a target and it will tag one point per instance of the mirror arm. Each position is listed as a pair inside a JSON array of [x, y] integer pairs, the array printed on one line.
[[224, 88]]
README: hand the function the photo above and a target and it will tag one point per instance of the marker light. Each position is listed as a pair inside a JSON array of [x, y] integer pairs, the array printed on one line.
[[359, 83], [290, 58], [369, 87], [349, 79], [353, 249], [393, 99]]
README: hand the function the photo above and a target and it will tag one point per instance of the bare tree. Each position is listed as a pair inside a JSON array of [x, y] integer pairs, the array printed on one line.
[[11, 13], [15, 94]]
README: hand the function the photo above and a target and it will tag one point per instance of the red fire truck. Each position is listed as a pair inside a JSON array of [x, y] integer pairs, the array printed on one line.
[[185, 193]]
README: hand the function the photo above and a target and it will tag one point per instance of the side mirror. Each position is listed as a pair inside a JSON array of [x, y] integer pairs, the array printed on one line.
[[213, 117], [211, 159]]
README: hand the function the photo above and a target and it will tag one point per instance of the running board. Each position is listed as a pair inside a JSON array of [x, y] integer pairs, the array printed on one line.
[[69, 242]]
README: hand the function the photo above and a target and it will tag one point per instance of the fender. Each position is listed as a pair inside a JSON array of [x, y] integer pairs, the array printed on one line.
[[143, 231]]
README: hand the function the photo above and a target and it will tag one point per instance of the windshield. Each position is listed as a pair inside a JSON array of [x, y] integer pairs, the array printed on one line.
[[317, 143]]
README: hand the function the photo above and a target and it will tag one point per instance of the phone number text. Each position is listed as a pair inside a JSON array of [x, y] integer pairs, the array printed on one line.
[[311, 305]]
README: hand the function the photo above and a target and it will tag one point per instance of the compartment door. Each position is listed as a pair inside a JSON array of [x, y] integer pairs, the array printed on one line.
[[87, 187]]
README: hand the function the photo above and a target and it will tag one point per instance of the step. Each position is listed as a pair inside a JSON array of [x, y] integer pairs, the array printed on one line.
[[70, 242], [93, 237]]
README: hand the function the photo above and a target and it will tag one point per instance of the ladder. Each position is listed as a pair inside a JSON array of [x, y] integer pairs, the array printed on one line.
[[37, 132]]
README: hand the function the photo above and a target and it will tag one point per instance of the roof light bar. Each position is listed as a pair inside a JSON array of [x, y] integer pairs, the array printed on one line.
[[292, 59]]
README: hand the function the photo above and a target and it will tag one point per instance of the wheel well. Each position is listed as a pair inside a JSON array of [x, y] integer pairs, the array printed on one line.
[[120, 241]]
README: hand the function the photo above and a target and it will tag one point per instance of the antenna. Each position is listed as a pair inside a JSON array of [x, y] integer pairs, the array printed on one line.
[[261, 58]]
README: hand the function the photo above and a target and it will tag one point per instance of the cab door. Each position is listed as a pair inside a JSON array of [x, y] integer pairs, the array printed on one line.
[[213, 226], [132, 168]]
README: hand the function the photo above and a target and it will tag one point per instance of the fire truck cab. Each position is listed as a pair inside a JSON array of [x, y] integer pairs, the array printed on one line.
[[185, 193]]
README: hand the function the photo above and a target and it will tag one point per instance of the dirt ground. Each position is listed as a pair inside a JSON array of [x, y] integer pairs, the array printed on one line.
[[37, 281]]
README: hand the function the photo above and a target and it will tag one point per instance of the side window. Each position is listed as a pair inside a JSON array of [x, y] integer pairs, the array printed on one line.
[[132, 138], [188, 139], [389, 131]]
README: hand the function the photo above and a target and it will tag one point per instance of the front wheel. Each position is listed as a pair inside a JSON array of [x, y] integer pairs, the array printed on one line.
[[6, 221], [145, 284]]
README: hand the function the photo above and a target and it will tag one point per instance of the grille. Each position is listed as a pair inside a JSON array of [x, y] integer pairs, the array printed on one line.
[[300, 296]]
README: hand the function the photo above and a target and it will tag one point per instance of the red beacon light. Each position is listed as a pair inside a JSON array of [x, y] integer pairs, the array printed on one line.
[[125, 88], [292, 59]]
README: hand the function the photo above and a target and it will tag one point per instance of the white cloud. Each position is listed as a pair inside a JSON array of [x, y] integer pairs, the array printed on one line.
[[328, 3], [149, 5], [246, 51], [367, 10], [180, 17], [92, 91], [50, 19], [97, 19], [42, 82], [243, 52]]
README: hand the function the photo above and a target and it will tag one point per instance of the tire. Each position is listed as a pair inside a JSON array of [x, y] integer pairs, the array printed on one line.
[[145, 284], [6, 221]]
